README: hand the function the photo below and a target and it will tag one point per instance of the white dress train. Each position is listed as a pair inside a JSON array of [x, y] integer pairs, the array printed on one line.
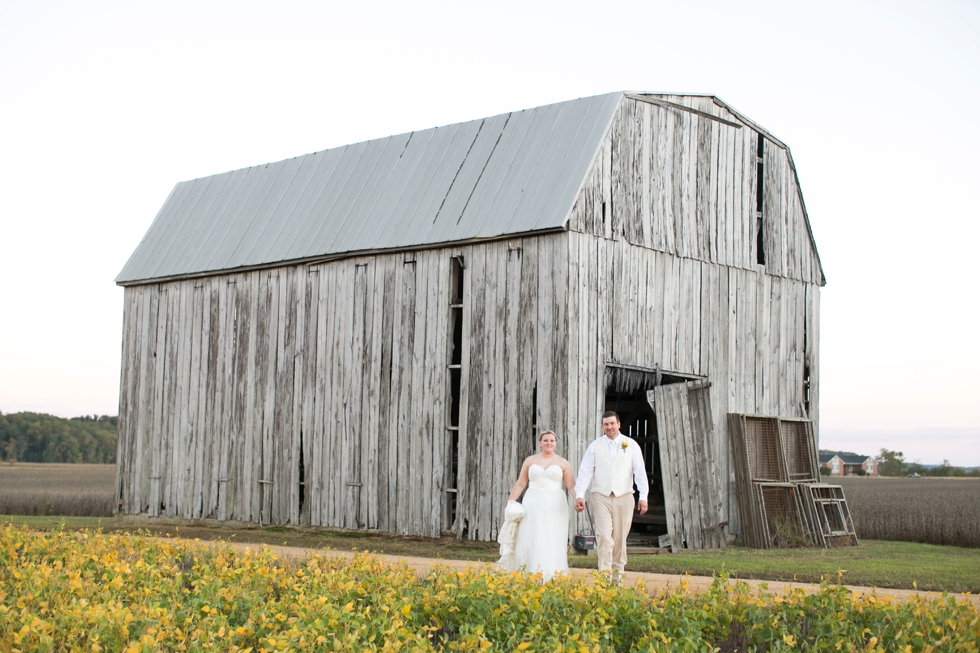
[[542, 534]]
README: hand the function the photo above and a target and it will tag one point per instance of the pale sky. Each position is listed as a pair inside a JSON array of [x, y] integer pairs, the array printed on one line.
[[105, 106]]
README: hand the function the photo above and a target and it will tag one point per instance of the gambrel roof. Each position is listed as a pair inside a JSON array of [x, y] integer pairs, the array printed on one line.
[[513, 173], [506, 175]]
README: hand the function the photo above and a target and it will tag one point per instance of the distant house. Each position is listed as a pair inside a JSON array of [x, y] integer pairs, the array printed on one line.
[[848, 464]]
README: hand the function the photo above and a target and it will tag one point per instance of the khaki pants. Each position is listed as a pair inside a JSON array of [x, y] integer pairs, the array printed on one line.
[[613, 518]]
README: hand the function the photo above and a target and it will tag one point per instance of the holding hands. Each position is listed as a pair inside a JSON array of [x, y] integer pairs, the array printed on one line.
[[580, 506]]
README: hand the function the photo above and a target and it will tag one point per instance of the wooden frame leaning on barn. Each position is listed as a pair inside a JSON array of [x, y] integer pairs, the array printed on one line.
[[397, 384]]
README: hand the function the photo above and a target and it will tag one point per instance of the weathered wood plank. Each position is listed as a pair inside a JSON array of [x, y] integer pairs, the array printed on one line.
[[367, 367], [463, 464], [406, 347], [267, 469], [730, 188], [751, 368], [387, 458], [736, 193], [685, 153], [527, 343], [723, 188], [437, 350], [297, 311], [559, 339], [353, 440], [474, 317], [143, 398], [238, 332], [673, 504], [159, 401], [282, 403], [692, 459], [227, 398], [813, 354], [205, 435], [129, 391], [340, 399], [646, 149], [336, 482], [488, 453], [607, 199], [762, 350], [316, 470], [567, 443], [179, 472], [717, 227], [497, 261], [415, 434], [704, 204], [371, 412]]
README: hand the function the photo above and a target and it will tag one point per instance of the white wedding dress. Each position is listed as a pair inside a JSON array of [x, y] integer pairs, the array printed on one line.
[[542, 535]]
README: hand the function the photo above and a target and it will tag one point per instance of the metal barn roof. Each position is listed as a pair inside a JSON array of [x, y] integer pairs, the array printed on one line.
[[513, 173]]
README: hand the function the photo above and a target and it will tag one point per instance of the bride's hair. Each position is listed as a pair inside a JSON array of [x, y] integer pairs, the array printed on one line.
[[544, 433]]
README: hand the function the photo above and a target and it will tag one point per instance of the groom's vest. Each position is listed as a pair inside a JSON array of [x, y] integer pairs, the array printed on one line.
[[613, 470]]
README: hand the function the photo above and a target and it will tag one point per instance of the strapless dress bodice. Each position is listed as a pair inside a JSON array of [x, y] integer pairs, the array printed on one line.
[[544, 478]]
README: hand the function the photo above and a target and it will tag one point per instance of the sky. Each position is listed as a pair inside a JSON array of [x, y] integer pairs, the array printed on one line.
[[105, 106]]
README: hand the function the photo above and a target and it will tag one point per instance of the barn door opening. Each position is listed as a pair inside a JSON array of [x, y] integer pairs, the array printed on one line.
[[692, 488], [626, 393], [638, 421]]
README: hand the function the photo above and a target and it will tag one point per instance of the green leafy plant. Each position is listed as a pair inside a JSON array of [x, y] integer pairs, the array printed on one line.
[[67, 590]]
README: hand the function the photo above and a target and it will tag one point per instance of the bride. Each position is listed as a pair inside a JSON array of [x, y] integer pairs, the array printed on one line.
[[541, 545]]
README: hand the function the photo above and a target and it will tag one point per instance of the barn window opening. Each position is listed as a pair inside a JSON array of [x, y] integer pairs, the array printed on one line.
[[806, 390], [638, 421], [455, 388], [760, 189], [302, 475], [534, 419], [626, 390], [760, 243]]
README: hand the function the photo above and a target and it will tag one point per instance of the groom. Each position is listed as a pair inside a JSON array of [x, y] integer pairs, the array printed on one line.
[[612, 463]]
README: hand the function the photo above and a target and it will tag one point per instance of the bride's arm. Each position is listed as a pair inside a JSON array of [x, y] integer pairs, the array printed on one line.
[[568, 478], [521, 483]]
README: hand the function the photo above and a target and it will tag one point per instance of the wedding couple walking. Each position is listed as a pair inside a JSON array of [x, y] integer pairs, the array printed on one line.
[[534, 536]]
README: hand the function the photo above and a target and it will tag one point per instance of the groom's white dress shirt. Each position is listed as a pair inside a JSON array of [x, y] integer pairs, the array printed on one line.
[[612, 447]]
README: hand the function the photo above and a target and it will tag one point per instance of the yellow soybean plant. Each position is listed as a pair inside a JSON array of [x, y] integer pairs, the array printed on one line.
[[90, 591]]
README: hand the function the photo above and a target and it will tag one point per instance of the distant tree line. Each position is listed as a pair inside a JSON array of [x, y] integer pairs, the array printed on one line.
[[893, 463], [40, 438]]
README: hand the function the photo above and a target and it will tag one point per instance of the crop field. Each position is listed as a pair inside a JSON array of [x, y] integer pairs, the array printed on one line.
[[87, 590], [928, 510], [56, 489]]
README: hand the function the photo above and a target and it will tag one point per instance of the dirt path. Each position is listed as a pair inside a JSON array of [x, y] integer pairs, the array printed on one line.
[[653, 583]]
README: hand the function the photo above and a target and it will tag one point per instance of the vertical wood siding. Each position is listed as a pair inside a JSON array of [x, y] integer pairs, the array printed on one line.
[[228, 383], [233, 384], [664, 228], [748, 332], [685, 184]]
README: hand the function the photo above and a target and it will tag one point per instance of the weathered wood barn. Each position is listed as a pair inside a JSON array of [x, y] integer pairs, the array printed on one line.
[[371, 336]]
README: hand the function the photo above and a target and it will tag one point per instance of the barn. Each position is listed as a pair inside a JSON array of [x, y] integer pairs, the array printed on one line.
[[372, 336]]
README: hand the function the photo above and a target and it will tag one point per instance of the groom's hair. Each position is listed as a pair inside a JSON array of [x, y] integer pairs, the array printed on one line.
[[611, 413]]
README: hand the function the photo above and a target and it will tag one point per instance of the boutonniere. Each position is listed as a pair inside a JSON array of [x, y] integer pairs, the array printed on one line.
[[625, 445]]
